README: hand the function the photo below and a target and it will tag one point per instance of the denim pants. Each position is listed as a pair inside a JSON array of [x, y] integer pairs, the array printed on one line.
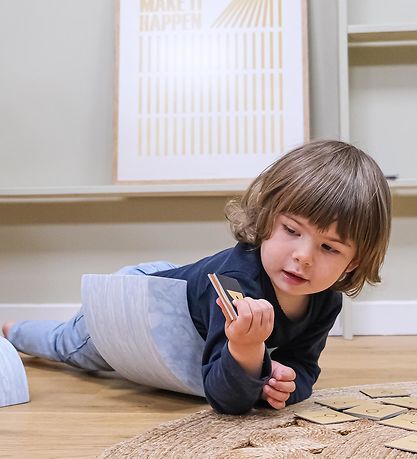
[[70, 341]]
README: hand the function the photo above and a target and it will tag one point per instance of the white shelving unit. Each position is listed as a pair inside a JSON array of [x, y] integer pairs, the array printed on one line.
[[382, 35], [365, 35], [372, 35]]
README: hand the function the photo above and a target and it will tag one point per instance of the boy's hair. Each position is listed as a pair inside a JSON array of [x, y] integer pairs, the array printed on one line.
[[325, 182]]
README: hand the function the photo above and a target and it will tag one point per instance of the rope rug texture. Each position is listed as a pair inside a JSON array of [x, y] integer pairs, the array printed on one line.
[[267, 433]]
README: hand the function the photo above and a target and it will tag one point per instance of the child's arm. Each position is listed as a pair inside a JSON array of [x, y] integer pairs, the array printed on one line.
[[303, 353], [304, 361], [247, 333], [233, 383]]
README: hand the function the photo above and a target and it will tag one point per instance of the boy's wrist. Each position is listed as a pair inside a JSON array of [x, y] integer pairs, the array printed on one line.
[[249, 356], [243, 348]]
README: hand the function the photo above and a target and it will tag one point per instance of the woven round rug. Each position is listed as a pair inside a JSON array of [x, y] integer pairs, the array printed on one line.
[[267, 433]]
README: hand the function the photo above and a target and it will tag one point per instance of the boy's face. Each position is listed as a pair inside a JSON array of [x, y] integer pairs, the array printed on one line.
[[300, 259]]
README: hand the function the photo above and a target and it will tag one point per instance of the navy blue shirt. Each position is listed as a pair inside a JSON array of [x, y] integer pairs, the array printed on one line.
[[297, 344]]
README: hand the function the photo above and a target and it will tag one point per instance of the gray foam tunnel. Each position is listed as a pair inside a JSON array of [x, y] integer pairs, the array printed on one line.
[[13, 381], [142, 327]]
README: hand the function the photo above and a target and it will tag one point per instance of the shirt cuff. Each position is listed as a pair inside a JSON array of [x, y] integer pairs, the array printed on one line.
[[238, 372]]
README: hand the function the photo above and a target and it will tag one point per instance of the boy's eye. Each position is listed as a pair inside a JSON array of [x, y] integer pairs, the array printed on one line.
[[289, 230], [328, 248]]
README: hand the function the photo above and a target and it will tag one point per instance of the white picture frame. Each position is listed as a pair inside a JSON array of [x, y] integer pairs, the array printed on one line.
[[208, 90]]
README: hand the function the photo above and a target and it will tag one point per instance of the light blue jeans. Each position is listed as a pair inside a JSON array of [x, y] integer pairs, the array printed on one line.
[[70, 341]]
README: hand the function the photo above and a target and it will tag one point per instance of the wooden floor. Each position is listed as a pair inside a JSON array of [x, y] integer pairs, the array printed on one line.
[[76, 415]]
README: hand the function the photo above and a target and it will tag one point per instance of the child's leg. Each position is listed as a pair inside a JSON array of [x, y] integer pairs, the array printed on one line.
[[146, 268], [67, 342]]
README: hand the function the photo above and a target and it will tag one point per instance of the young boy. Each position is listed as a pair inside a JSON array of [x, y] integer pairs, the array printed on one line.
[[312, 225]]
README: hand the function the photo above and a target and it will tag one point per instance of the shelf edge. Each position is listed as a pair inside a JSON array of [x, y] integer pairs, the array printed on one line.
[[116, 192], [122, 191]]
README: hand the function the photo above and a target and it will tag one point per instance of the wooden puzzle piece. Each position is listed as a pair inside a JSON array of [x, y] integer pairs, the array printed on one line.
[[228, 290]]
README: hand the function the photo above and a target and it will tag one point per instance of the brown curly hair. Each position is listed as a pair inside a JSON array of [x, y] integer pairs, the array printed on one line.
[[324, 181]]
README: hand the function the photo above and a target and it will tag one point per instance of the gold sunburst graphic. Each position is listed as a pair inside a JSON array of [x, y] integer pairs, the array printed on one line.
[[250, 13], [214, 91]]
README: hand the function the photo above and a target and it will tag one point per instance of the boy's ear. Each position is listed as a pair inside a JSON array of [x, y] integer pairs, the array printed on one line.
[[351, 266]]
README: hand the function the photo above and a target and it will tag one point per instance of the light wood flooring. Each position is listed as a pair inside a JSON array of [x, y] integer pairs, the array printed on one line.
[[76, 415]]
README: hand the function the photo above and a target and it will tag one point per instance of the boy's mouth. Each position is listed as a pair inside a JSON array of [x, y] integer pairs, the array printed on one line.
[[294, 277]]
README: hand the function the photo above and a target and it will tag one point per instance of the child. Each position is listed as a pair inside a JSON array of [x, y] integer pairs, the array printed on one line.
[[312, 225]]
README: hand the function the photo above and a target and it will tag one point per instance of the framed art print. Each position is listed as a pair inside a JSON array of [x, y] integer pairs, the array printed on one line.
[[208, 89]]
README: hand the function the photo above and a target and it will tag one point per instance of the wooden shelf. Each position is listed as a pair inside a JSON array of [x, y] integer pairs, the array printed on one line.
[[403, 183], [116, 192], [403, 186], [382, 35]]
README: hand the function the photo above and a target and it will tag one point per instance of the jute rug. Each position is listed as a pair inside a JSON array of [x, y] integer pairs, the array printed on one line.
[[267, 433]]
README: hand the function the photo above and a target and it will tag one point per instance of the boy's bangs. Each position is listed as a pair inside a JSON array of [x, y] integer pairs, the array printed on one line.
[[322, 208]]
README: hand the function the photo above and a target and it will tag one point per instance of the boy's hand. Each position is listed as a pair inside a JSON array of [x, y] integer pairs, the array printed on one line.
[[279, 387], [254, 323], [247, 333]]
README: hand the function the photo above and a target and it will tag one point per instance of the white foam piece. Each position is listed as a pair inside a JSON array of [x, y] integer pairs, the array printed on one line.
[[13, 381], [142, 327]]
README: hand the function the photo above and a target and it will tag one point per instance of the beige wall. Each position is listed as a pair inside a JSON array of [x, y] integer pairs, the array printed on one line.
[[45, 247]]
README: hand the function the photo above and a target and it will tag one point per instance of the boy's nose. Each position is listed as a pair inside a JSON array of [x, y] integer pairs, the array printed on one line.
[[304, 254]]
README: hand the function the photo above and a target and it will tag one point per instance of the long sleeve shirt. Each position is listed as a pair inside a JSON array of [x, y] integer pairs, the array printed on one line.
[[297, 344]]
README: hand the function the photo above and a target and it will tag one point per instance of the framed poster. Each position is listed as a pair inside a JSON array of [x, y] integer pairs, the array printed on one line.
[[208, 89]]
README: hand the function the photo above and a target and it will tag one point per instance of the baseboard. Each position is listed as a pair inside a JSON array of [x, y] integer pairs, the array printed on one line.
[[378, 318], [384, 317], [367, 317]]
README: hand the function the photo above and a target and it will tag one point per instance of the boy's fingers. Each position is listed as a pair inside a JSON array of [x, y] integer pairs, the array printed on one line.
[[287, 374], [275, 404], [244, 310], [284, 373], [268, 309], [282, 386], [257, 311], [270, 393]]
